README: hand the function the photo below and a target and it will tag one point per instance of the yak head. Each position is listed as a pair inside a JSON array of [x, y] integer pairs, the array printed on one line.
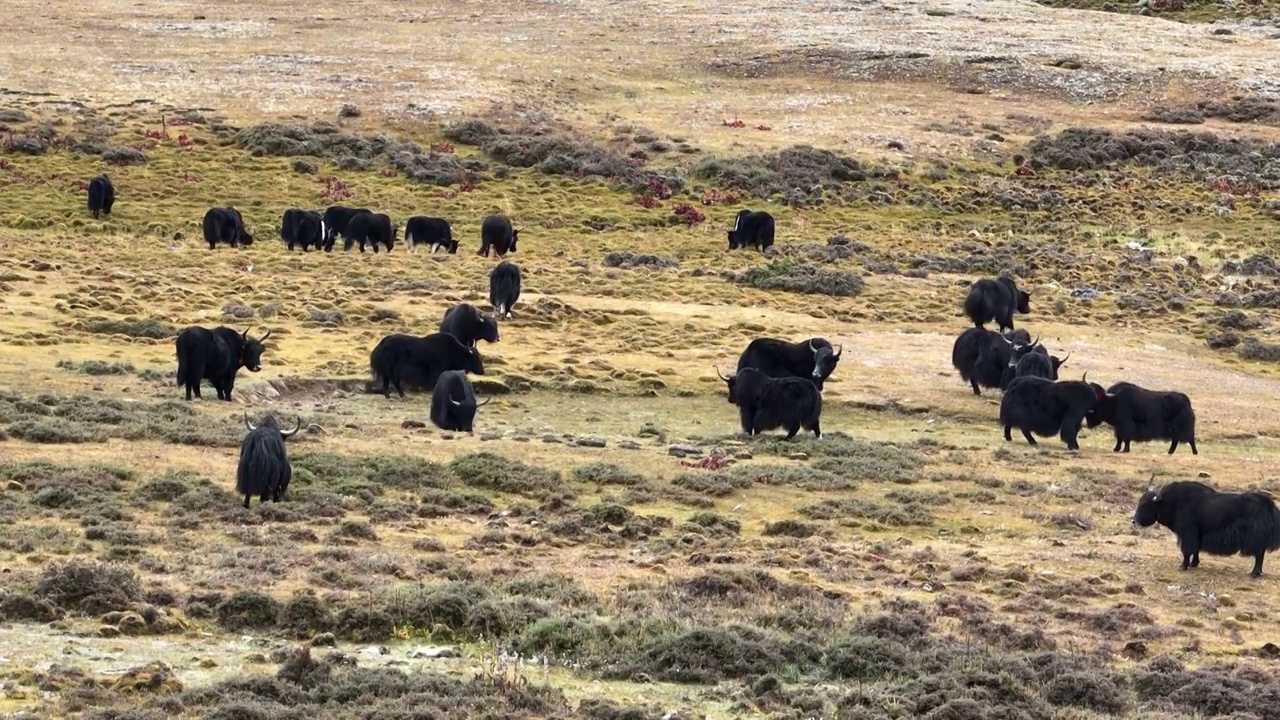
[[824, 361], [473, 363], [1101, 411], [1017, 337], [269, 422], [1058, 363], [731, 382], [515, 235], [1149, 507], [1024, 301], [251, 351], [1021, 349], [486, 324]]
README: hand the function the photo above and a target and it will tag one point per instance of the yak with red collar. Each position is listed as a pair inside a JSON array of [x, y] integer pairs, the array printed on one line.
[[1043, 407], [216, 355]]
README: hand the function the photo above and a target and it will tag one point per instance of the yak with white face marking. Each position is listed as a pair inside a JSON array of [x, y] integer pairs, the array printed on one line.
[[453, 402], [813, 359]]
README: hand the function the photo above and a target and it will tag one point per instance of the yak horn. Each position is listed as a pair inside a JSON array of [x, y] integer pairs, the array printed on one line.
[[264, 337], [486, 402], [1036, 341], [1063, 361], [246, 419], [812, 348], [296, 427], [1005, 338], [1084, 378], [839, 349], [717, 369], [455, 402]]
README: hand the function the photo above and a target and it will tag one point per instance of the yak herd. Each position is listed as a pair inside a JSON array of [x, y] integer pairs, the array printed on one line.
[[777, 384]]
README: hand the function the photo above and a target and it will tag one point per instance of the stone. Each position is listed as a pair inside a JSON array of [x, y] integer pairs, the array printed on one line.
[[436, 652]]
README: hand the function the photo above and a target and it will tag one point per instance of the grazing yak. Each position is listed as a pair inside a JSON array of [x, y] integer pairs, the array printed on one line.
[[982, 356], [418, 361], [465, 322], [1218, 523], [504, 287], [302, 227], [225, 225], [102, 195], [813, 359], [1143, 415], [766, 403], [496, 232], [335, 219], [432, 231], [1044, 407], [216, 355], [753, 229], [370, 229], [264, 468], [996, 300], [453, 402]]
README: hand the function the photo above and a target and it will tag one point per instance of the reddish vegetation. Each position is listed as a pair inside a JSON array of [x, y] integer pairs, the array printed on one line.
[[389, 173], [81, 185], [6, 165], [1230, 186], [719, 197], [734, 123], [173, 121], [443, 148], [1025, 169], [466, 182], [764, 127], [185, 142], [646, 200], [157, 134], [335, 189], [715, 462], [658, 189], [688, 213]]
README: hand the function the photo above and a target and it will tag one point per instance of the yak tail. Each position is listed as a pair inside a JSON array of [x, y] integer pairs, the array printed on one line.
[[974, 305]]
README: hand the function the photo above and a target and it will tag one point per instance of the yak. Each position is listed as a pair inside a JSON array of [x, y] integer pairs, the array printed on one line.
[[335, 219], [216, 355], [982, 356], [433, 231], [751, 228], [1044, 407], [813, 359], [418, 361], [453, 402], [766, 403], [264, 468], [465, 322], [226, 225], [302, 227], [996, 300], [1219, 523], [496, 233], [102, 195], [1136, 413], [370, 229], [504, 287], [1033, 360]]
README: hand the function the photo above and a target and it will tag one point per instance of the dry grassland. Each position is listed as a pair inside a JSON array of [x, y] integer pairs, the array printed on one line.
[[605, 524]]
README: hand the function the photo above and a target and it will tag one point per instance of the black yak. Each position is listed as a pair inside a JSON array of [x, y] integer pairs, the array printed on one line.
[[1033, 360], [216, 355], [982, 355], [418, 361], [302, 227], [1044, 407], [504, 287], [1218, 523], [751, 229], [996, 300], [225, 225], [813, 359], [335, 220], [370, 229], [766, 403], [264, 468], [465, 322], [102, 195], [453, 402], [496, 232], [432, 231], [1143, 415]]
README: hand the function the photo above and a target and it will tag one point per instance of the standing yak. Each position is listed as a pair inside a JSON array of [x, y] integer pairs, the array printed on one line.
[[1044, 407], [302, 227], [504, 288], [982, 356], [766, 403], [226, 225], [335, 219], [751, 228], [370, 229], [453, 402], [216, 355], [996, 300], [432, 231], [418, 361], [264, 468], [102, 195], [813, 359], [496, 233], [1218, 523], [465, 322], [1144, 415]]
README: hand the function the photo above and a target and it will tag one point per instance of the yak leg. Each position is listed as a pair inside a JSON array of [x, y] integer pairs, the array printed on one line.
[[1008, 433], [976, 390], [1173, 446], [1030, 440], [817, 431], [792, 430], [1195, 559], [246, 501], [1190, 552], [1192, 443], [1257, 565], [1070, 428], [399, 389]]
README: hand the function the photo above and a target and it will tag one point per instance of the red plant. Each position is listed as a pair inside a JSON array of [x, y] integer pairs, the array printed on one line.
[[719, 197], [6, 165], [186, 142], [688, 213], [764, 127], [443, 148], [734, 123], [173, 121], [1225, 184], [646, 200], [466, 182], [715, 462], [904, 184], [637, 161], [157, 134], [1025, 169], [335, 189], [81, 185], [658, 189], [388, 173]]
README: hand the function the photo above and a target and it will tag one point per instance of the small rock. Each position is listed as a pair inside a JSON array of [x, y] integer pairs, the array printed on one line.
[[445, 651], [744, 455], [591, 442], [485, 437], [629, 445], [413, 424], [375, 650], [324, 640], [208, 663], [107, 631], [14, 485], [520, 438], [1203, 475], [132, 624], [447, 436], [255, 659], [798, 456], [1270, 650], [553, 439], [1226, 601], [1135, 650], [683, 450]]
